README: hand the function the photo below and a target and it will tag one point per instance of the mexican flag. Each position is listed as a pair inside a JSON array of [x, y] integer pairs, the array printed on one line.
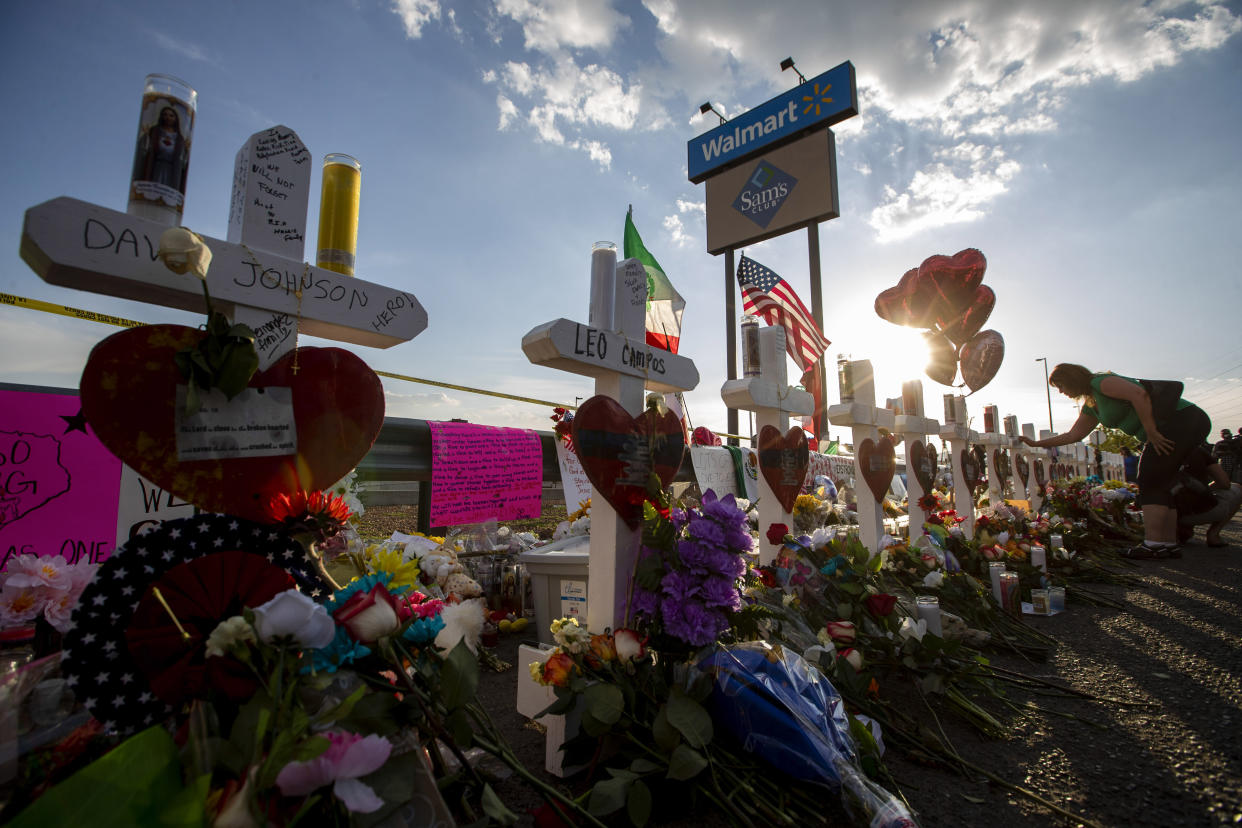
[[664, 303]]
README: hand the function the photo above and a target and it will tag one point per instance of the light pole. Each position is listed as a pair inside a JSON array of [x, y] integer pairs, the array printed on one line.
[[1047, 390]]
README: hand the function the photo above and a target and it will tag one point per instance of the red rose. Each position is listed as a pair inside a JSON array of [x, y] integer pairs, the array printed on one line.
[[880, 605], [367, 616], [777, 533]]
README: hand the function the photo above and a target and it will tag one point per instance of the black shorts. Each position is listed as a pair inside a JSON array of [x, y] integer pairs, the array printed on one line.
[[1187, 428]]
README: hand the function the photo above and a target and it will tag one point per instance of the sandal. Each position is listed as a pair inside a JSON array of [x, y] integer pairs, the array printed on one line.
[[1143, 552]]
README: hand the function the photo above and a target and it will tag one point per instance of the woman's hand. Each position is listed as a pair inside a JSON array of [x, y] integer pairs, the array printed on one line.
[[1029, 441], [1162, 444]]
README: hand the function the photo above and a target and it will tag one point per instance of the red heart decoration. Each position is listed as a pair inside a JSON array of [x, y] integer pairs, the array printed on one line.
[[783, 462], [1024, 473], [911, 302], [878, 462], [952, 280], [922, 461], [1040, 481], [619, 453], [1000, 459], [960, 325], [972, 475], [129, 392]]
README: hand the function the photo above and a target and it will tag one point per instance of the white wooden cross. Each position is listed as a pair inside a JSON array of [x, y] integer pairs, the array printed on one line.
[[958, 436], [614, 351], [912, 425], [259, 268], [772, 399], [992, 440], [865, 421], [1034, 493]]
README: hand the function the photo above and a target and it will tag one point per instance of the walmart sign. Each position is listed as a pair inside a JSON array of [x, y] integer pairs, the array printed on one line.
[[820, 102]]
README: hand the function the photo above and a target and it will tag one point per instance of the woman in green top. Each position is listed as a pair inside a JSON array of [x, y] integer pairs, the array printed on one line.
[[1123, 403]]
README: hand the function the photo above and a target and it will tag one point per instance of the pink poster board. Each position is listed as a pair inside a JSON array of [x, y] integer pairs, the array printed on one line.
[[58, 484], [483, 472]]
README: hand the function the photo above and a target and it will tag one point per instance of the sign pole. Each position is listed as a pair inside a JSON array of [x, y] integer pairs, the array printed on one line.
[[817, 312], [730, 340]]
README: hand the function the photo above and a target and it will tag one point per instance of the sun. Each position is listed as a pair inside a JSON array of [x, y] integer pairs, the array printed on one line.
[[897, 355]]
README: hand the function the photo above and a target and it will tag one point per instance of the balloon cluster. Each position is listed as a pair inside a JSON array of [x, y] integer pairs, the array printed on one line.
[[946, 295]]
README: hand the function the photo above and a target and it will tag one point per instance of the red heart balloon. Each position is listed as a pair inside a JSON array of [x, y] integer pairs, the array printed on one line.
[[619, 453], [1040, 480], [910, 302], [878, 462], [129, 392], [1024, 473], [783, 460], [981, 358], [960, 325], [941, 358], [972, 475], [952, 279], [922, 461]]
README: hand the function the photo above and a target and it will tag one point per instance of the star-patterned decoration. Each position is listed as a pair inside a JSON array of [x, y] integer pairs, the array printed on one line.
[[97, 661], [75, 422]]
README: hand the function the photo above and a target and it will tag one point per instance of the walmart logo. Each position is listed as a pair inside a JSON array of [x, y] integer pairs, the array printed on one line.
[[811, 103], [764, 193]]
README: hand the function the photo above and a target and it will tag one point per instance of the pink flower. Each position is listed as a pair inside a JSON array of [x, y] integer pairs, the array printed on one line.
[[20, 605], [34, 571], [842, 632], [349, 757]]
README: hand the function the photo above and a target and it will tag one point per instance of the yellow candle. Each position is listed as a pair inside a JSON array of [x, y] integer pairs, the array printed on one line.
[[338, 213]]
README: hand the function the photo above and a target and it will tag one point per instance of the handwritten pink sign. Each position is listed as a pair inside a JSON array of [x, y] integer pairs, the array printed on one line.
[[58, 484], [483, 472]]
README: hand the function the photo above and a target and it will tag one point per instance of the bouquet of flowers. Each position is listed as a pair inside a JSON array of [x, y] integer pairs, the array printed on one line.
[[42, 587]]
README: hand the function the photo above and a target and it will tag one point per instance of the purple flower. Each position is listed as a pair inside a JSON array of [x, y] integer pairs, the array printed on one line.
[[349, 757], [692, 622], [679, 586], [719, 592], [645, 602]]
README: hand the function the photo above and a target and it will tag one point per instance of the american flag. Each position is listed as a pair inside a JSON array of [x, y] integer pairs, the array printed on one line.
[[765, 293]]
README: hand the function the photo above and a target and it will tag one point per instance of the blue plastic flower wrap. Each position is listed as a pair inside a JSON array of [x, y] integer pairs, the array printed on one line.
[[782, 709]]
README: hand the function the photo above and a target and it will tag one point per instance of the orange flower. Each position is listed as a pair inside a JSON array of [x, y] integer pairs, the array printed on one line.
[[558, 669], [603, 648]]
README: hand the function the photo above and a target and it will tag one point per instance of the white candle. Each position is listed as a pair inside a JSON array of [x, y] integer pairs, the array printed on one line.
[[928, 609], [1039, 558], [603, 284], [995, 570]]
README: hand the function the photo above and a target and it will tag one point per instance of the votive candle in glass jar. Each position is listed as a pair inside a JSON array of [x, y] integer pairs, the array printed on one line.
[[928, 609], [162, 151], [338, 213]]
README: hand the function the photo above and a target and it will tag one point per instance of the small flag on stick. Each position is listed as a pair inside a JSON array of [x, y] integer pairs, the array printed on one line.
[[768, 295], [664, 303]]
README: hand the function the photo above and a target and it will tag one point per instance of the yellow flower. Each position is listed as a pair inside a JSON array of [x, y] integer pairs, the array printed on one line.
[[805, 504], [389, 560]]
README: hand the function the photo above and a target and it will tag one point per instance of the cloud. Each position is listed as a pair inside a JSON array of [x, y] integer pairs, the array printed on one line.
[[191, 51], [553, 25], [676, 231], [415, 14], [567, 98]]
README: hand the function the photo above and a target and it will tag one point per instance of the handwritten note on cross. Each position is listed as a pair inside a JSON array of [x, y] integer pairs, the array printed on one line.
[[79, 245], [613, 351], [772, 399], [864, 421]]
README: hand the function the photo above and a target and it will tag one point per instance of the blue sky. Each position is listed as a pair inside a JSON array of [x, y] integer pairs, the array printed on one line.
[[1089, 149]]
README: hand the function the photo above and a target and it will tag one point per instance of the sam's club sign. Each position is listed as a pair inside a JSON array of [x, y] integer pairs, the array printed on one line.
[[764, 193], [820, 102]]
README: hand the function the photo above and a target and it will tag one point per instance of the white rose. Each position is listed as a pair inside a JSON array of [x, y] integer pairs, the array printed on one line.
[[183, 250], [293, 614]]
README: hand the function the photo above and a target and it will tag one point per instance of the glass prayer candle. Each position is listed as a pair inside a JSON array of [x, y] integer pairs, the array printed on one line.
[[750, 346], [338, 213], [603, 284], [162, 152], [928, 609]]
